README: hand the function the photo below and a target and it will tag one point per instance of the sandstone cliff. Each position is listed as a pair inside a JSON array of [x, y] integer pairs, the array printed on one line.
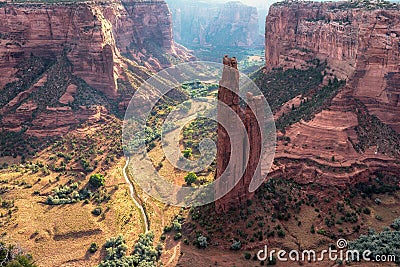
[[230, 24], [110, 46], [93, 35], [356, 135], [361, 44]]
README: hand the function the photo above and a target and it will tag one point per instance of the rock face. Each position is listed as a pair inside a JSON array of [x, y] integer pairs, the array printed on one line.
[[231, 170], [230, 24], [360, 43], [98, 43], [93, 36]]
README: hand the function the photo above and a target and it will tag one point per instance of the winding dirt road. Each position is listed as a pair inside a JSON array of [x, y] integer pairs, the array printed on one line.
[[134, 195]]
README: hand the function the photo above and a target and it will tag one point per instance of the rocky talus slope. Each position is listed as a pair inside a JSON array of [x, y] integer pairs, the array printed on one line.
[[356, 134], [78, 56]]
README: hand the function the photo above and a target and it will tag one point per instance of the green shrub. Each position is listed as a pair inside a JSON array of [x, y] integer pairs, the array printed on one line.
[[271, 260], [187, 153], [167, 228], [281, 233], [236, 245], [367, 211], [190, 178], [97, 180], [12, 256], [396, 224], [97, 211], [202, 242], [177, 236], [93, 247]]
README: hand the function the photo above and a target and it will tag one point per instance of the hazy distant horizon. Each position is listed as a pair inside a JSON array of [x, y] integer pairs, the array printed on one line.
[[255, 3], [261, 3]]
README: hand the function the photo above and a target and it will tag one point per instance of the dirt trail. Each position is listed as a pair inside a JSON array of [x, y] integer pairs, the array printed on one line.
[[134, 195]]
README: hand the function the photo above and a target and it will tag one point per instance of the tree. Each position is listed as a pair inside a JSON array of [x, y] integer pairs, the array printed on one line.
[[97, 180], [190, 178], [187, 153]]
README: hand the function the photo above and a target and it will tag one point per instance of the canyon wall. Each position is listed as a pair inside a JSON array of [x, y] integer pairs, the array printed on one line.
[[361, 43], [213, 24], [102, 50], [92, 35]]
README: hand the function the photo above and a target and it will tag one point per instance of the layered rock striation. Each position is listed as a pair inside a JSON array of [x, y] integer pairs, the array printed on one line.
[[356, 135], [108, 46], [360, 43], [93, 35]]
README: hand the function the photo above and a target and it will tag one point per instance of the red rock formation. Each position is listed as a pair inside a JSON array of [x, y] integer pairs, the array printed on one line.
[[95, 40], [237, 175], [360, 44], [93, 35]]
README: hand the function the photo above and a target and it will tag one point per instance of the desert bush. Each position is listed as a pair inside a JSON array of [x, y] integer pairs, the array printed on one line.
[[97, 180], [93, 247], [202, 241], [236, 245], [396, 224], [97, 211], [187, 153], [190, 178], [176, 225]]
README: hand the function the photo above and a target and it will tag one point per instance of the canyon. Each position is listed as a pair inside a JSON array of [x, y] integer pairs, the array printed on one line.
[[204, 24], [360, 45], [68, 71]]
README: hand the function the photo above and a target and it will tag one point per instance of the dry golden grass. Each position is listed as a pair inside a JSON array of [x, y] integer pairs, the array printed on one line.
[[61, 235]]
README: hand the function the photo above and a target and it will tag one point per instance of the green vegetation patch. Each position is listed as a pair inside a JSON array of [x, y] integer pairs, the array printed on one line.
[[29, 72], [144, 252], [280, 86], [13, 256], [371, 131], [317, 102]]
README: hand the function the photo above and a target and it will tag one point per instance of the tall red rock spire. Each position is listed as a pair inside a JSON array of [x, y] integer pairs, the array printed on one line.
[[246, 138]]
